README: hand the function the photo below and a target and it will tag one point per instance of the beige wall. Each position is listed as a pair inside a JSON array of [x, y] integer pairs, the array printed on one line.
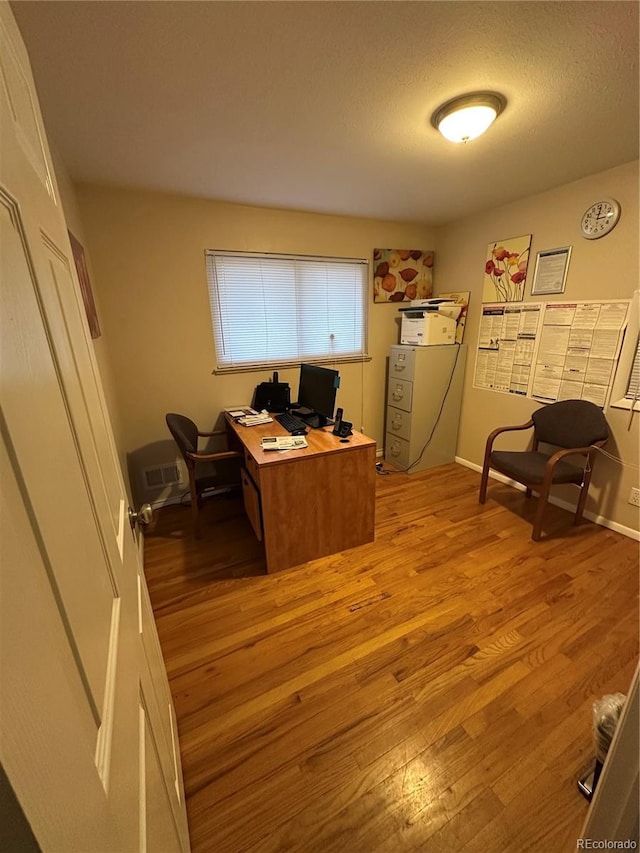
[[68, 198], [147, 251], [604, 268]]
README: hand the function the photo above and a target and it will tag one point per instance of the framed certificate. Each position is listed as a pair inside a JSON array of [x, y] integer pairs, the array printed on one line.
[[550, 275]]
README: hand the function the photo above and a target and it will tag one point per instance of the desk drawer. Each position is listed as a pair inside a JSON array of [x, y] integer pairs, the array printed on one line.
[[252, 467], [252, 504]]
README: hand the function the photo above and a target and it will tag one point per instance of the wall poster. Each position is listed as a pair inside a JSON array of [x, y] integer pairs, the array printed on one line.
[[505, 270], [402, 275], [506, 345], [550, 351], [578, 350]]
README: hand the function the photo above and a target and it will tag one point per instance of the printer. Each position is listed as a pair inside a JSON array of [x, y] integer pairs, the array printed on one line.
[[428, 322]]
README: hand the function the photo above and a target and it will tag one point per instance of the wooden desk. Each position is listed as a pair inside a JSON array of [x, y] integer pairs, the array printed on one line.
[[307, 503]]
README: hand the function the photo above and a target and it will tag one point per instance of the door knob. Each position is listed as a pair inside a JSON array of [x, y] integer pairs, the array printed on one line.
[[142, 517]]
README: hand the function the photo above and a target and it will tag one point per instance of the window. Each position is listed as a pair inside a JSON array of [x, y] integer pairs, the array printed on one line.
[[633, 388], [270, 310], [625, 393]]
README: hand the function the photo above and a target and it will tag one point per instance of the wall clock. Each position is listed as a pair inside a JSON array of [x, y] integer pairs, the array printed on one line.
[[600, 218]]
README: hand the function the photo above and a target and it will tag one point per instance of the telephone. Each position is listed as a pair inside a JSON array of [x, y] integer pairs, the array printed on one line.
[[340, 427]]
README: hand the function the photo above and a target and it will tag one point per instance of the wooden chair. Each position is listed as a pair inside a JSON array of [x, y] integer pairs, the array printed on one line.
[[206, 470], [574, 426]]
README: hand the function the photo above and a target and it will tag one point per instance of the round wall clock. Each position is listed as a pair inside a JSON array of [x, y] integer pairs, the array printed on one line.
[[600, 218]]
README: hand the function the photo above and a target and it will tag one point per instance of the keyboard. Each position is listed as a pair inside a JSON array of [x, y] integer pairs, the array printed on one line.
[[291, 423]]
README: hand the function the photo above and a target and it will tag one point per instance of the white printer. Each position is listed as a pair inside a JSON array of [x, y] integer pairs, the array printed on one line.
[[428, 322]]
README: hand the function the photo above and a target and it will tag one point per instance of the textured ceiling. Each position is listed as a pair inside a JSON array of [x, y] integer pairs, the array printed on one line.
[[325, 106]]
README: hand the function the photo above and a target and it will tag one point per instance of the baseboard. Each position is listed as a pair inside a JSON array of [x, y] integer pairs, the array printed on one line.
[[172, 499], [597, 519], [180, 499]]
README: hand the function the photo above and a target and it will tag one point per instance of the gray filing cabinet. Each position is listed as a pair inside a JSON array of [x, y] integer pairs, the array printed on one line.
[[417, 383]]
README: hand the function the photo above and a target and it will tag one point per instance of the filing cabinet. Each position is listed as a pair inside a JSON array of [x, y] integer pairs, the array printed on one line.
[[424, 392]]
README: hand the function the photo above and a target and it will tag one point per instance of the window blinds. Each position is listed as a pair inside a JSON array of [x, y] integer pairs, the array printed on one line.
[[279, 309], [633, 389]]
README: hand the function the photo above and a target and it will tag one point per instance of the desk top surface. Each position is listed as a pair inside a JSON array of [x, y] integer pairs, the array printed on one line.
[[319, 441]]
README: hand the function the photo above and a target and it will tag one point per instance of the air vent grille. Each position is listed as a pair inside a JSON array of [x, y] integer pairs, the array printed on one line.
[[164, 475]]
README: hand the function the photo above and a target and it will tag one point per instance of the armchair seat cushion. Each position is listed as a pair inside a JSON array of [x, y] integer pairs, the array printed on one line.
[[530, 466]]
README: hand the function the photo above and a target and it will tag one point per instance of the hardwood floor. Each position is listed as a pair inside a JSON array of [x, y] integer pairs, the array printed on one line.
[[431, 691]]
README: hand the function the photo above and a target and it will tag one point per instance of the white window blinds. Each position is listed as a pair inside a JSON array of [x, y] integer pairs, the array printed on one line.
[[633, 389], [279, 309]]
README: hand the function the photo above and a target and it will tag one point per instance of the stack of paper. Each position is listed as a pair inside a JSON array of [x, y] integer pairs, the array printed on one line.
[[240, 412], [253, 420]]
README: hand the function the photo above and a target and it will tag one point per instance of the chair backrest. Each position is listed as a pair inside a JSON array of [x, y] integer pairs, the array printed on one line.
[[184, 431], [570, 423]]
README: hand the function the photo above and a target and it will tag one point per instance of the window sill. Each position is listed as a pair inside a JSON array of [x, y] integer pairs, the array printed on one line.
[[626, 404], [283, 365]]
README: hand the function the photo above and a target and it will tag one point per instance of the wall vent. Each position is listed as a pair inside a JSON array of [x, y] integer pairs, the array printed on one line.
[[163, 475]]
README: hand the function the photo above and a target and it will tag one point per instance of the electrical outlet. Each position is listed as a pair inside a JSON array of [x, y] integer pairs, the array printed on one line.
[[634, 497]]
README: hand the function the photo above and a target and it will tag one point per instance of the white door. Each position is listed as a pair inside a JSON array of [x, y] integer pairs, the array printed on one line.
[[87, 735]]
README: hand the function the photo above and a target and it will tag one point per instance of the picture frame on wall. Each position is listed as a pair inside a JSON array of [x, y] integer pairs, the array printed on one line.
[[505, 270], [85, 285], [550, 274], [402, 275]]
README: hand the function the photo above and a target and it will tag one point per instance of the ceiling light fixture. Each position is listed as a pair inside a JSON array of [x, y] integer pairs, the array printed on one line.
[[467, 116]]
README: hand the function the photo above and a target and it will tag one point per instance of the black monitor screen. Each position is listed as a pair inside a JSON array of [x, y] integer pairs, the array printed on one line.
[[317, 390]]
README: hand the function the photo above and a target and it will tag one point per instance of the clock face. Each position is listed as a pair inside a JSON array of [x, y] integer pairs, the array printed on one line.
[[600, 218]]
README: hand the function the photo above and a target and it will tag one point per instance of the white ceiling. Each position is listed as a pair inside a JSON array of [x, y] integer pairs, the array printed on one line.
[[325, 106]]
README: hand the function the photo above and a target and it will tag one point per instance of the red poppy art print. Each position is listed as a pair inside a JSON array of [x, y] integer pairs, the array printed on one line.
[[505, 270]]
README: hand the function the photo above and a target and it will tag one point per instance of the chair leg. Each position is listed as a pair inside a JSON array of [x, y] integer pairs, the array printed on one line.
[[528, 492]]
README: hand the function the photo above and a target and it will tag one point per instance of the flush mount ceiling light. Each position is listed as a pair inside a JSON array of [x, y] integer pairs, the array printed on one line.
[[466, 117]]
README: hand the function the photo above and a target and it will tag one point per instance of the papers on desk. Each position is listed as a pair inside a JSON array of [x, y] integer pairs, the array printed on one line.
[[247, 416], [284, 442], [253, 420], [236, 412]]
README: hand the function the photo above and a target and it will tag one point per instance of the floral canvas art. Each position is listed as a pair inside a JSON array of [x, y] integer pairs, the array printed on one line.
[[505, 270], [401, 275]]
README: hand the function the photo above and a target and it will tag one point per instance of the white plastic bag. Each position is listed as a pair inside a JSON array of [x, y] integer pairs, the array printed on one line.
[[606, 713]]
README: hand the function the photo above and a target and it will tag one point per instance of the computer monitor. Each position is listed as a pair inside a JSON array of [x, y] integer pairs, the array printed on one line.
[[317, 392]]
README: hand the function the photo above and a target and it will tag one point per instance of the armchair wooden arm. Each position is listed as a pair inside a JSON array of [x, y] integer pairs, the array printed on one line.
[[487, 454], [492, 436]]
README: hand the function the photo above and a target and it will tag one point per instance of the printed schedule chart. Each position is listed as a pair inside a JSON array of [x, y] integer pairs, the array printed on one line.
[[550, 350]]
